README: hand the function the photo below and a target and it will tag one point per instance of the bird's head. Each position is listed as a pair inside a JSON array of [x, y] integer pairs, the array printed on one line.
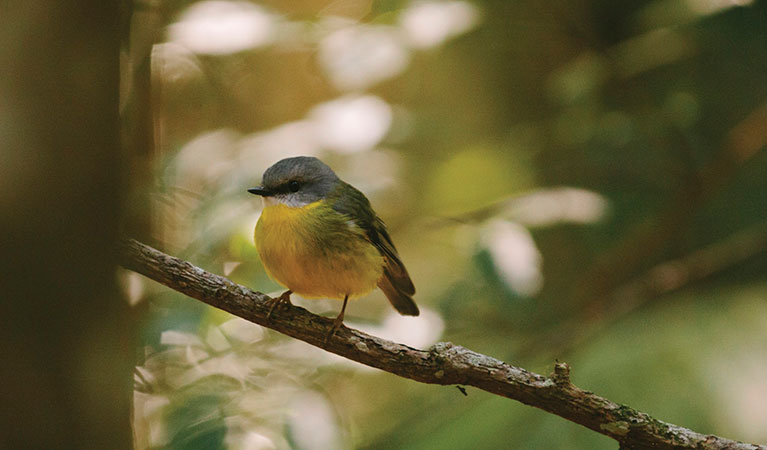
[[296, 182]]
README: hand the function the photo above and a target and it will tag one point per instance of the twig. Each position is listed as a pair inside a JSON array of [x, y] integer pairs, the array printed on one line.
[[444, 363]]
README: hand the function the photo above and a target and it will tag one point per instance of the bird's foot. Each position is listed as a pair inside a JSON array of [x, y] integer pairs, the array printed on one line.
[[337, 324], [283, 299]]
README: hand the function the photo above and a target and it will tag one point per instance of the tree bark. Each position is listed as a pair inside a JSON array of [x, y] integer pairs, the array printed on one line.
[[444, 363]]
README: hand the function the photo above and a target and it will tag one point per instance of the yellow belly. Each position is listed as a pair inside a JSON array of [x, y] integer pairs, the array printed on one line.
[[316, 252]]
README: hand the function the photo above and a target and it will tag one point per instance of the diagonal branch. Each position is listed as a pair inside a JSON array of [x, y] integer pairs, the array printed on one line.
[[444, 363]]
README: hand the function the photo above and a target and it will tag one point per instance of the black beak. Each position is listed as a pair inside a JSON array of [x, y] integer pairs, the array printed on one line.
[[260, 190]]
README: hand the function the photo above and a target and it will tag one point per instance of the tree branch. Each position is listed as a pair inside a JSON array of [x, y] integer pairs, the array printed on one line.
[[444, 363]]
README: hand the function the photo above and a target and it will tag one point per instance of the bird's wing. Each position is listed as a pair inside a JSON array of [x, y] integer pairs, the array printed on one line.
[[396, 282]]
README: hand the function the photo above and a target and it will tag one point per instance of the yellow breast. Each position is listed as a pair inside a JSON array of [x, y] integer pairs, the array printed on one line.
[[316, 252]]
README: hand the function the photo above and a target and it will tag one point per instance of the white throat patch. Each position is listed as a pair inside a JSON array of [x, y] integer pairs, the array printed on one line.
[[284, 199]]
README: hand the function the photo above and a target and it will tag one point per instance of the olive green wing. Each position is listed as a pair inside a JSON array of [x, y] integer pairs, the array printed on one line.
[[395, 282]]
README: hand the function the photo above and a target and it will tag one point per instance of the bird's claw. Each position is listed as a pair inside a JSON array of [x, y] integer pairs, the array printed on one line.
[[336, 326], [337, 323], [283, 299]]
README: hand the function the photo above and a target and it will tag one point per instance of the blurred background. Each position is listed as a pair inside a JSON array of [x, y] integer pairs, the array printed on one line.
[[581, 181]]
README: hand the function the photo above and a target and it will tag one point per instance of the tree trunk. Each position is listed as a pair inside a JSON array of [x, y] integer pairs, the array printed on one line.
[[66, 341]]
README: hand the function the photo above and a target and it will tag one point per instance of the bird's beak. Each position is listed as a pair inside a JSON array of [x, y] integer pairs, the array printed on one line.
[[260, 190]]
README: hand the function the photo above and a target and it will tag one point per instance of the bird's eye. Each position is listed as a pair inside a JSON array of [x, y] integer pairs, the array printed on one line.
[[293, 186]]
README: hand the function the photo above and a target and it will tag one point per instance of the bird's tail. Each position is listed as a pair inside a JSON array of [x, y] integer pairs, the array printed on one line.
[[401, 301]]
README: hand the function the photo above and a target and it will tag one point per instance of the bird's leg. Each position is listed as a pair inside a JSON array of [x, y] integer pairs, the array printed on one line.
[[338, 322], [283, 299]]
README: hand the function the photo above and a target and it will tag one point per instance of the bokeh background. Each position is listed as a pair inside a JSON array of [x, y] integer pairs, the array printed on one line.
[[582, 181]]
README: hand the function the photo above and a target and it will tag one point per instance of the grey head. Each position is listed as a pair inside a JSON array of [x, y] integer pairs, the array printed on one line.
[[296, 182]]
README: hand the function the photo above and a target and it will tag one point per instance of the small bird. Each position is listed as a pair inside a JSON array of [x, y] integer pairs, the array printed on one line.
[[319, 237]]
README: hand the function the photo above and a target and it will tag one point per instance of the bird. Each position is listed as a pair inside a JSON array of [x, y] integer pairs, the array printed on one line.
[[319, 237]]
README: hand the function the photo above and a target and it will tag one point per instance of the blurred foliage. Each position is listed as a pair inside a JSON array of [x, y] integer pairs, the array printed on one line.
[[575, 180]]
